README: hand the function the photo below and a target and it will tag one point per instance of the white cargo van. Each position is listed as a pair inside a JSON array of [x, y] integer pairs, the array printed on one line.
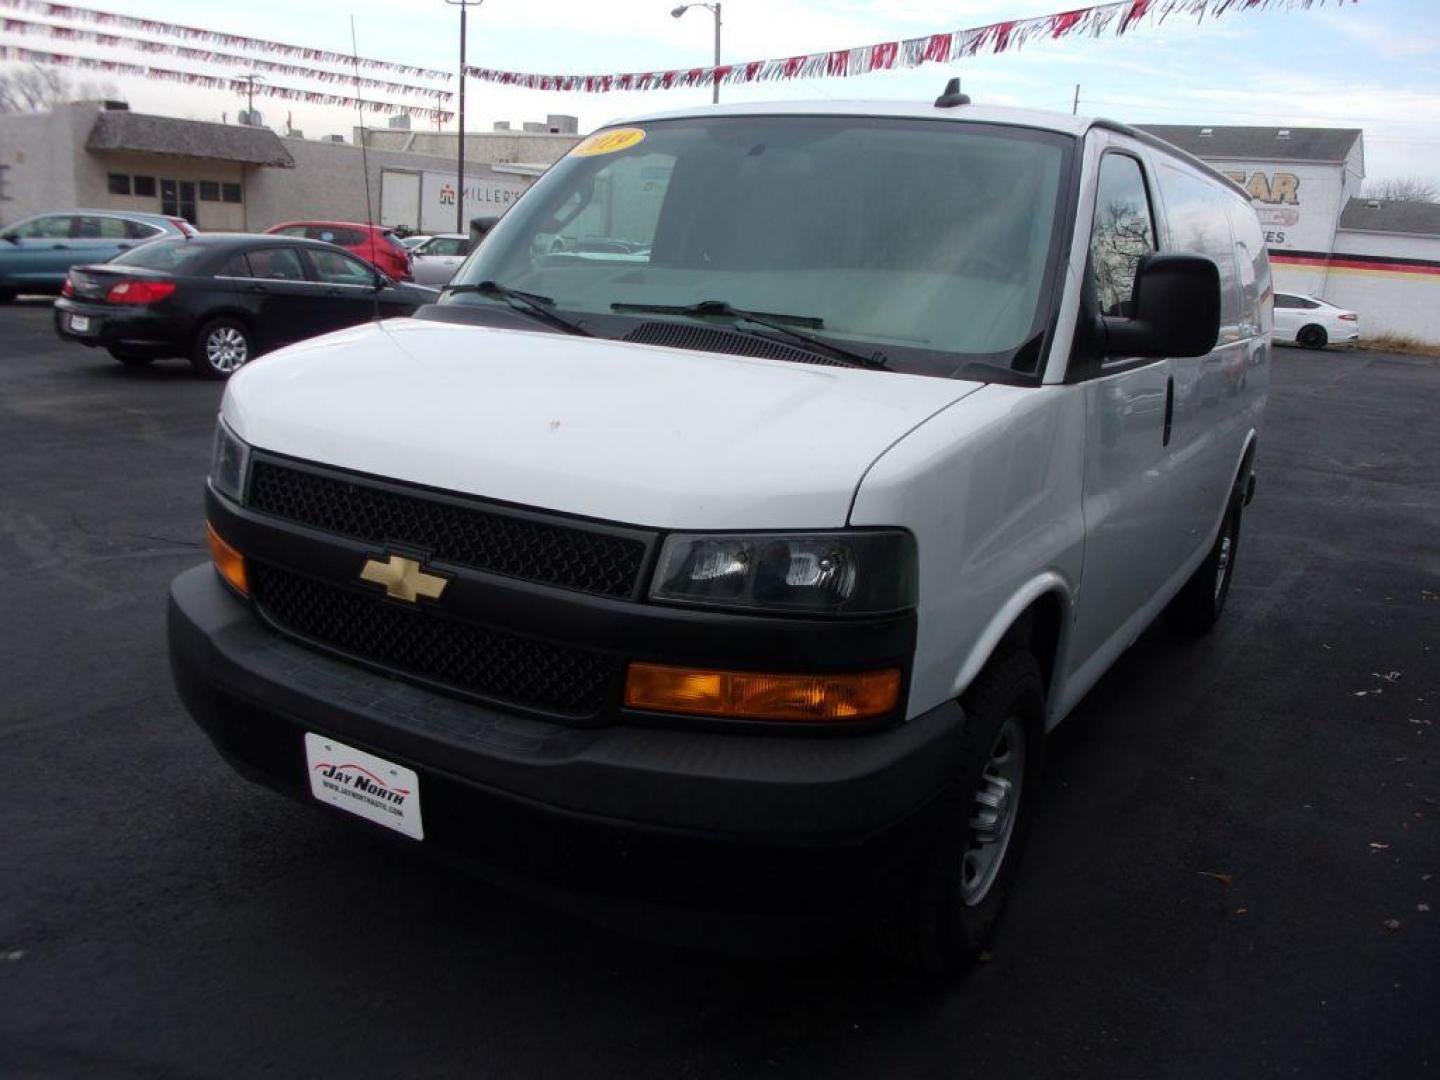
[[757, 497]]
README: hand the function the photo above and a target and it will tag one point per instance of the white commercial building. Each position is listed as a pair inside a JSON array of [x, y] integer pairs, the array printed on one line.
[[1378, 258]]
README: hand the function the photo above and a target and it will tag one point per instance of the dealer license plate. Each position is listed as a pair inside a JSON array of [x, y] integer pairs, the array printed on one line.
[[80, 324], [375, 789]]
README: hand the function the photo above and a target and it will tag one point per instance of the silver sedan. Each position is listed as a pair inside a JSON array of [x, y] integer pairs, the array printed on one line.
[[436, 260]]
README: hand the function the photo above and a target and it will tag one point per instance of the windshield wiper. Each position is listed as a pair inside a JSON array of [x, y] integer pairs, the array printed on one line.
[[530, 303], [781, 324]]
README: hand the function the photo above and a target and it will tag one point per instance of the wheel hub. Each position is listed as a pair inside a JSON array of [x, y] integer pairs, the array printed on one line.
[[993, 804], [1222, 564], [994, 808], [226, 349]]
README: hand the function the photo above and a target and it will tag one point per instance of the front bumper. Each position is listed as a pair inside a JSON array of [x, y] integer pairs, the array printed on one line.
[[137, 329], [763, 823]]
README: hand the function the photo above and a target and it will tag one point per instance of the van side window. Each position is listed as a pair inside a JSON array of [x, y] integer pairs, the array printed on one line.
[[1195, 212], [1123, 232]]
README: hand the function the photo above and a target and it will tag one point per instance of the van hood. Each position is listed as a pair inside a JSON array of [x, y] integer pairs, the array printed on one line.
[[606, 429]]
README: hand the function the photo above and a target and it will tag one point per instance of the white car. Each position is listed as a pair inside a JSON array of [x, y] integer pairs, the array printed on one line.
[[435, 261], [749, 572], [1312, 322]]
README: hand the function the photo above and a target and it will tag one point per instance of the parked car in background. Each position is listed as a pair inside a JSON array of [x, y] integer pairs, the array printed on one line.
[[1312, 322], [376, 243], [37, 252], [222, 299], [410, 243], [435, 261]]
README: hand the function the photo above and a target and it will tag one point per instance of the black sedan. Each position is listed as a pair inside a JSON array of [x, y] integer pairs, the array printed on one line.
[[222, 299]]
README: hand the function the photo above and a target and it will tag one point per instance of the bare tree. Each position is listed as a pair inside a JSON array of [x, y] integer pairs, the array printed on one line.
[[32, 89], [1404, 189]]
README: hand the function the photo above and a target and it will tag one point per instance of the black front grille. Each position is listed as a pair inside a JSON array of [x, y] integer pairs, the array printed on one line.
[[450, 529], [712, 339], [425, 645]]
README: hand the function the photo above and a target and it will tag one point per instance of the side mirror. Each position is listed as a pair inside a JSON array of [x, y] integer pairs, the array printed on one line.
[[1177, 309], [10, 237]]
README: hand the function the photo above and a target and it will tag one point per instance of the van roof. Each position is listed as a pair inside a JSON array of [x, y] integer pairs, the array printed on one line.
[[975, 114], [925, 110]]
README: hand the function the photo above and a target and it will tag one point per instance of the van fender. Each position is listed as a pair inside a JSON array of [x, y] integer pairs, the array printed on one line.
[[1245, 460], [1000, 624]]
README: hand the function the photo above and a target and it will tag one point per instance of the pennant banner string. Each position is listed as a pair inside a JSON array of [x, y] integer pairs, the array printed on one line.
[[217, 82], [71, 13], [11, 25], [950, 46]]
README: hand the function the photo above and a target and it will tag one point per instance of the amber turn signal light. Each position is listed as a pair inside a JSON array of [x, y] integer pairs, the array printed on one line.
[[747, 695], [228, 561]]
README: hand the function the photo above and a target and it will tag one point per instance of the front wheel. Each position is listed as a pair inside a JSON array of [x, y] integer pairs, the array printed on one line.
[[1312, 337], [950, 909], [221, 348]]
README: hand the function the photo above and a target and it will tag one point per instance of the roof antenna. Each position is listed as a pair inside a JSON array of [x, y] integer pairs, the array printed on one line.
[[952, 95], [365, 167]]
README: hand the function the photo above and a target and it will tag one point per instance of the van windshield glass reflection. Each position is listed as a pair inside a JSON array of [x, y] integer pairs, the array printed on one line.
[[933, 242]]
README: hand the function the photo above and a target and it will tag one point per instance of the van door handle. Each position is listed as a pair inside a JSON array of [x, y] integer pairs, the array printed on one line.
[[1169, 407]]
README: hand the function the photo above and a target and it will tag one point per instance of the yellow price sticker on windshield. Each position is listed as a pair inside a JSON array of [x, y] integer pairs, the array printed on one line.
[[608, 142]]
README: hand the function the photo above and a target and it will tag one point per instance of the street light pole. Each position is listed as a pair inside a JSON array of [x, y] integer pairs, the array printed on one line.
[[714, 10], [464, 6]]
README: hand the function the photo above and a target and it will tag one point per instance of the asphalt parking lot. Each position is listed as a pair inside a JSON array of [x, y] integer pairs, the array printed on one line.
[[1237, 873]]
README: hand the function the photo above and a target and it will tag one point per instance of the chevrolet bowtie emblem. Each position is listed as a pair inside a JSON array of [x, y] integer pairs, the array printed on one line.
[[403, 578]]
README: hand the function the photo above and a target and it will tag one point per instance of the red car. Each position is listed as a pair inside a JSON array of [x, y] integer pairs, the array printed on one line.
[[376, 243]]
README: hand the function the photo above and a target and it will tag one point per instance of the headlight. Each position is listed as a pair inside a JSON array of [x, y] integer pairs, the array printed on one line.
[[228, 463], [840, 573]]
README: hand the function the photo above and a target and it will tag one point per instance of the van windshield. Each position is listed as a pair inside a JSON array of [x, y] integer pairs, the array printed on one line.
[[930, 243]]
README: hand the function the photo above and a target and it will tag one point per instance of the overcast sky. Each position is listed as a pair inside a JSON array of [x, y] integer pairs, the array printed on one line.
[[1374, 64]]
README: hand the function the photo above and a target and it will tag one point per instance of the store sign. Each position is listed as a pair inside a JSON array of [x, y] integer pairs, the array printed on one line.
[[484, 197], [1276, 198]]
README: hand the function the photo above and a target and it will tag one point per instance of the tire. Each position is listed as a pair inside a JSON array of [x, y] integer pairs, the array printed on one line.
[[1312, 337], [950, 908], [129, 359], [1201, 600], [222, 346]]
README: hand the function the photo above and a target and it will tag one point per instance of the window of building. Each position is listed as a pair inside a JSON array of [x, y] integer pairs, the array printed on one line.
[[230, 193], [177, 199], [209, 191], [1122, 234], [119, 183], [145, 186]]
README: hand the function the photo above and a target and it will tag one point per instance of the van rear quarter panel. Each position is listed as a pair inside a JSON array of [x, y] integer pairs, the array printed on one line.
[[991, 489]]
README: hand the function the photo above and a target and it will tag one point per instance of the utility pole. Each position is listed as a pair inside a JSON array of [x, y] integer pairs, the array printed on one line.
[[250, 81], [714, 9], [1075, 105], [464, 6]]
